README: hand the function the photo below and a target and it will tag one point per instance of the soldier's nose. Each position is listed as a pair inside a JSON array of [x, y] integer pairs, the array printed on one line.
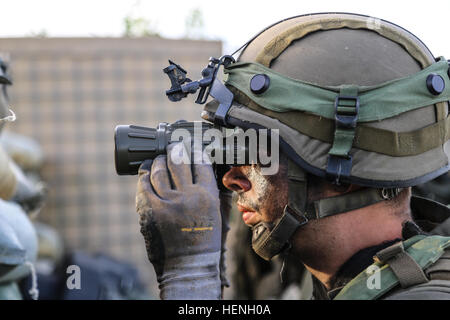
[[235, 180]]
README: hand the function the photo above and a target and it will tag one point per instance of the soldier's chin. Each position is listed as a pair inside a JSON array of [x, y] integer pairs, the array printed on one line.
[[251, 218]]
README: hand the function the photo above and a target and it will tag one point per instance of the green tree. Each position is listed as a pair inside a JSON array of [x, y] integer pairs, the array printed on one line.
[[139, 27], [194, 24], [40, 34]]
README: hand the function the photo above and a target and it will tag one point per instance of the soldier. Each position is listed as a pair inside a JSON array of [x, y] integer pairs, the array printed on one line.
[[18, 239], [362, 113]]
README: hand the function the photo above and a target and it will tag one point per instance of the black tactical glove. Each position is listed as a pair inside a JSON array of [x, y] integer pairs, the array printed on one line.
[[180, 219]]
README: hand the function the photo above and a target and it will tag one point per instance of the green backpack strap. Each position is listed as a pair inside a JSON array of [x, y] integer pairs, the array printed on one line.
[[397, 264]]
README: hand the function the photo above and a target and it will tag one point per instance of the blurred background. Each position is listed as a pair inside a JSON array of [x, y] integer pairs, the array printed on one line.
[[78, 69]]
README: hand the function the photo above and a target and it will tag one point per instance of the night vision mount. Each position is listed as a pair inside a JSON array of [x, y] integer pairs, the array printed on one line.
[[208, 85], [135, 144]]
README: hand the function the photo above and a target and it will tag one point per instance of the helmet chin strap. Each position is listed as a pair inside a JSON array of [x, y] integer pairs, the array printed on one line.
[[270, 239]]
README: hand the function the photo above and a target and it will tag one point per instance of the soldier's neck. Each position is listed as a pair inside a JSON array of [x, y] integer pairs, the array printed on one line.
[[336, 239]]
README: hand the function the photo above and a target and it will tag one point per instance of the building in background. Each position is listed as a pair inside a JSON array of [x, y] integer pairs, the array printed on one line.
[[69, 94]]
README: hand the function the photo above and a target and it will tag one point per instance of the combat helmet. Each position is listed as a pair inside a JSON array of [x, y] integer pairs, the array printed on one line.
[[356, 100]]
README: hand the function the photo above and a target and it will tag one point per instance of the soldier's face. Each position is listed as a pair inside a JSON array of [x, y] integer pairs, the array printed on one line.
[[259, 197]]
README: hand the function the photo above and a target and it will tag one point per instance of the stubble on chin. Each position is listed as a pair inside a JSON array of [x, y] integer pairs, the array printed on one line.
[[270, 193]]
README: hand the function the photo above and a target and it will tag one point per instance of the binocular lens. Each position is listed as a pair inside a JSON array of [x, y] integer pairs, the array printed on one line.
[[135, 144]]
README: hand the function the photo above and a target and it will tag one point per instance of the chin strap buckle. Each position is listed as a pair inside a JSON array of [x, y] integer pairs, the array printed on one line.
[[270, 240]]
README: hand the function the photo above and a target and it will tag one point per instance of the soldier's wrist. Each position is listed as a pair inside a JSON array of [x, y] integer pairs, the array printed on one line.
[[193, 277]]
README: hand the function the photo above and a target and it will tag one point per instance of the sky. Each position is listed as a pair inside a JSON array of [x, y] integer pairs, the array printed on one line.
[[232, 21]]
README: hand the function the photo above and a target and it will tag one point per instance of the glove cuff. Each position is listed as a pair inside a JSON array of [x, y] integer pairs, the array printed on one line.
[[194, 277]]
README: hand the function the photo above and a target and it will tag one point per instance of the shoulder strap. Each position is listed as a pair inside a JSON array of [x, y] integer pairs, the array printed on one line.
[[405, 268], [424, 250]]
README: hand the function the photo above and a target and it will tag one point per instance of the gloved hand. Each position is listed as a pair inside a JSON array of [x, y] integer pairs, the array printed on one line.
[[180, 220], [225, 197]]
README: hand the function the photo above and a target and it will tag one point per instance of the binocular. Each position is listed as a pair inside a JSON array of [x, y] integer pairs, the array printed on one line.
[[135, 144]]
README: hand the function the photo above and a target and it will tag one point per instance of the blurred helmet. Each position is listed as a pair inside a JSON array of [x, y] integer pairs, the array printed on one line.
[[18, 241]]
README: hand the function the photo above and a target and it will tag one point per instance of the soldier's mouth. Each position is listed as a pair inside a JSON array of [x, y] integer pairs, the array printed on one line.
[[248, 215]]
